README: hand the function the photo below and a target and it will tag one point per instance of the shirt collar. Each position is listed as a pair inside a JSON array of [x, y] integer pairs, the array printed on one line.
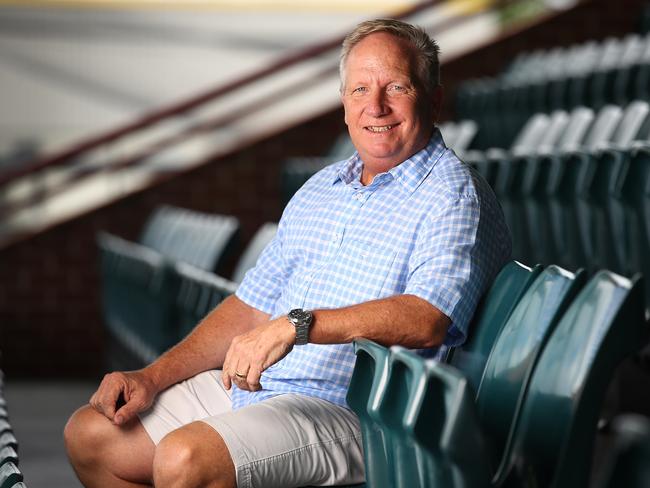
[[410, 173]]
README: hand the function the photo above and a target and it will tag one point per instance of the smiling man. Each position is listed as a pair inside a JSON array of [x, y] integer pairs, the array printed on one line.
[[395, 244]]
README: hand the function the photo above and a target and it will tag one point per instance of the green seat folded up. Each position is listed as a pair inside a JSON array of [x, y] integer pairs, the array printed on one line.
[[367, 381], [491, 315], [592, 190], [604, 324], [199, 291], [8, 455], [9, 475], [630, 212]]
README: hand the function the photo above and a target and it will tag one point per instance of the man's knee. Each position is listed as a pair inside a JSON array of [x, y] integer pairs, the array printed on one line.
[[193, 456], [85, 434]]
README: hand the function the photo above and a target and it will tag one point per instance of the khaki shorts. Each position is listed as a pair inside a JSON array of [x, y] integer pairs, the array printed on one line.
[[286, 441]]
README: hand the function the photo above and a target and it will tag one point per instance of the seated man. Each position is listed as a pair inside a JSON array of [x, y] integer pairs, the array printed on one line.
[[395, 244]]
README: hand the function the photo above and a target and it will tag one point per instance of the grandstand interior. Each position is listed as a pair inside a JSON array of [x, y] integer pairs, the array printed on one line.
[[147, 150]]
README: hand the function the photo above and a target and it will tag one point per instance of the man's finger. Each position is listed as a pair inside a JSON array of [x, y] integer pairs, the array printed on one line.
[[253, 379], [225, 379], [126, 413]]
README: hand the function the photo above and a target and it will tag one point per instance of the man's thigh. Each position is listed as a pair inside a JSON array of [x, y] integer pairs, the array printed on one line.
[[183, 403], [289, 440], [292, 441]]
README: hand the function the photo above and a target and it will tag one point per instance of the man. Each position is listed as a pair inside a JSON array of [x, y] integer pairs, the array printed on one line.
[[395, 244]]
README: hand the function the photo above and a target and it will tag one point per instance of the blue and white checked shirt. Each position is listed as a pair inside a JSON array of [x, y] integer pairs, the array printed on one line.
[[429, 227]]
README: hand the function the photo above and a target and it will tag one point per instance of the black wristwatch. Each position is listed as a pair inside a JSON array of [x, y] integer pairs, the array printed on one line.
[[301, 320]]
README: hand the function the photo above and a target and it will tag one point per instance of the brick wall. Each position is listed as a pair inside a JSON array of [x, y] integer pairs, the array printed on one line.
[[50, 315]]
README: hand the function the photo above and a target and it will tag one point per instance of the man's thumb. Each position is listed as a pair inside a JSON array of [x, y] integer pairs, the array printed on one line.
[[124, 414]]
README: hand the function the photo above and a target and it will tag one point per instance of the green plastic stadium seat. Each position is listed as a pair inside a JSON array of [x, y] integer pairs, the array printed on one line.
[[592, 190], [491, 162], [601, 81], [491, 315], [630, 208], [561, 189], [137, 294], [510, 185], [500, 393], [604, 324], [438, 423], [535, 187], [514, 355], [296, 171], [139, 287], [199, 292], [8, 439], [457, 441], [368, 379], [9, 475], [8, 455], [200, 239], [629, 463], [262, 237], [408, 388]]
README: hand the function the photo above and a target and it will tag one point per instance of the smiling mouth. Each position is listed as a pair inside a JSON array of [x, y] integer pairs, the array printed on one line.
[[379, 128]]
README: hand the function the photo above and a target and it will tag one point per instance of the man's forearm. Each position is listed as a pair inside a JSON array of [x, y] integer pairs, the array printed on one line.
[[206, 346], [406, 320]]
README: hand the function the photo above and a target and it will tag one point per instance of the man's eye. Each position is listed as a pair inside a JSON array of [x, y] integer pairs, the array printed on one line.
[[397, 89], [360, 90]]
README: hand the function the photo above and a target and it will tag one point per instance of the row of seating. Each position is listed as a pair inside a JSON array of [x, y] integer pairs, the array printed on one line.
[[574, 188], [518, 404], [592, 74], [10, 474], [141, 282], [538, 337]]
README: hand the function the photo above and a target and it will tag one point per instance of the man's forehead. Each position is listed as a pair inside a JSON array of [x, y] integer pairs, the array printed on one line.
[[382, 40], [386, 53]]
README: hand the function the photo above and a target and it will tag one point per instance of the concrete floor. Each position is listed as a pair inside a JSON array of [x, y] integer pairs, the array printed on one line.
[[38, 412]]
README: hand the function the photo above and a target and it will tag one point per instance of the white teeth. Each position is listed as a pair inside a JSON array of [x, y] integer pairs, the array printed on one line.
[[383, 128]]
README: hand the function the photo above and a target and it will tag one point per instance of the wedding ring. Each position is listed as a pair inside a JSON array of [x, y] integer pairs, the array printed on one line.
[[239, 375]]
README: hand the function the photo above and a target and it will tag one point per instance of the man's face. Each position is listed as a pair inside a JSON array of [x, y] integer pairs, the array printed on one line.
[[388, 114]]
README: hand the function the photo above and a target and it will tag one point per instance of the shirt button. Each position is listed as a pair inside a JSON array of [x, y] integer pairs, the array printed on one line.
[[358, 196]]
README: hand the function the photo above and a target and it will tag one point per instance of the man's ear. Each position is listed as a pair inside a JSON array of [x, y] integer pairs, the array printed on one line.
[[437, 102]]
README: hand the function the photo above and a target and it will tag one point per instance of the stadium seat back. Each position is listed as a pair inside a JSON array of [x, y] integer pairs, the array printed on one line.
[[630, 207], [9, 475], [199, 292], [368, 380], [515, 353], [490, 317], [406, 374], [202, 240], [260, 240], [603, 325]]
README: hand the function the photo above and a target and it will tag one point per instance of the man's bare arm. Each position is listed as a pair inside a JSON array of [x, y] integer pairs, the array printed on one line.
[[204, 349], [406, 320]]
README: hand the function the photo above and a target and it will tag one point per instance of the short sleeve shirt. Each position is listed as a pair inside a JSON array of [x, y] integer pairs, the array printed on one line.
[[429, 227]]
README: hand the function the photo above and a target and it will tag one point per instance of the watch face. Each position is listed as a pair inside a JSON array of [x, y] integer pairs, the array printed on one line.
[[301, 319], [299, 315]]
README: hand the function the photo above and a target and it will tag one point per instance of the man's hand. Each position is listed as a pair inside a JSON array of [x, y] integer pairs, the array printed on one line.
[[122, 395], [253, 352]]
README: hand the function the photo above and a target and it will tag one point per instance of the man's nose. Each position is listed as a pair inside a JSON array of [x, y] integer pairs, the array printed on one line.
[[377, 106]]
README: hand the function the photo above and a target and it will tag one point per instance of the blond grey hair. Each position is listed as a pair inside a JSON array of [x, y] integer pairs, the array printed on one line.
[[426, 49]]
